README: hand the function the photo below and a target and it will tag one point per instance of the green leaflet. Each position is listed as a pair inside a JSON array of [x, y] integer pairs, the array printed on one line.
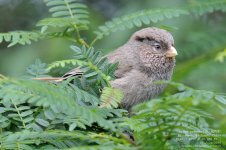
[[19, 37]]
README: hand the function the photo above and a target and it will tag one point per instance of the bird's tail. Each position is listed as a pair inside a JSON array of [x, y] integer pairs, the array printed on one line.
[[51, 79], [76, 72]]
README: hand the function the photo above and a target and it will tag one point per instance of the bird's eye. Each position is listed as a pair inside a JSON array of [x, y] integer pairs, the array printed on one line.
[[157, 46]]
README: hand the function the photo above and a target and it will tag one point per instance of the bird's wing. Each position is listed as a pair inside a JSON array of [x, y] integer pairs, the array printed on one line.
[[74, 72], [124, 65], [114, 57]]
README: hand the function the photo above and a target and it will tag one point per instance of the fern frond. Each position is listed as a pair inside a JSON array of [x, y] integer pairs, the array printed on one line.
[[110, 98], [64, 63], [177, 121], [70, 9], [172, 124], [60, 139], [137, 19], [64, 101], [61, 22], [19, 37], [97, 71], [38, 69], [67, 8], [199, 96], [203, 7], [147, 16], [95, 61]]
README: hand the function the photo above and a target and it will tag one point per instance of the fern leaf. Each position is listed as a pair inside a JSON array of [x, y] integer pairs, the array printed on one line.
[[203, 7], [61, 139], [165, 124], [62, 22], [68, 8], [137, 19], [63, 63], [96, 68], [177, 119], [38, 69], [154, 15], [110, 98], [61, 99], [19, 37]]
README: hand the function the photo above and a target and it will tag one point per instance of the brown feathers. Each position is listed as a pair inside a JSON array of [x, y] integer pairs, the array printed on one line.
[[147, 57]]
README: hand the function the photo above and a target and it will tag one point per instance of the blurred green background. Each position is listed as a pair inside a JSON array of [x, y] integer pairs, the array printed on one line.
[[198, 39]]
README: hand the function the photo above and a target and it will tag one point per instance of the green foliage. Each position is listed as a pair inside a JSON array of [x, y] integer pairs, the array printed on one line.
[[19, 37], [60, 139], [137, 19], [58, 22], [38, 69], [194, 51], [97, 71], [72, 16], [67, 8], [41, 112], [60, 103], [212, 40], [178, 121], [110, 98], [30, 112], [68, 14], [82, 112], [220, 56], [209, 6], [58, 66], [148, 16]]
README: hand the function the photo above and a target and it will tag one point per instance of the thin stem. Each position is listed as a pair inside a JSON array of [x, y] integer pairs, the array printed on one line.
[[80, 40], [105, 77], [77, 31], [20, 116], [93, 42], [83, 43], [69, 9]]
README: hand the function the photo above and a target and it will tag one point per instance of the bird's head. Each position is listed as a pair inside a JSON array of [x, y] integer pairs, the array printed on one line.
[[155, 48]]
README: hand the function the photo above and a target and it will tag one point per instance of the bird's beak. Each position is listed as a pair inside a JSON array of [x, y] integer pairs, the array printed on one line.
[[172, 52]]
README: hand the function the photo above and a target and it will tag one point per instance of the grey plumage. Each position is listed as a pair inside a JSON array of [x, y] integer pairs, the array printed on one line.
[[141, 64]]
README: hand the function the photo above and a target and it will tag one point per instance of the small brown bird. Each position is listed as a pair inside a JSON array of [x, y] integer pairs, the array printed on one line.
[[147, 57]]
